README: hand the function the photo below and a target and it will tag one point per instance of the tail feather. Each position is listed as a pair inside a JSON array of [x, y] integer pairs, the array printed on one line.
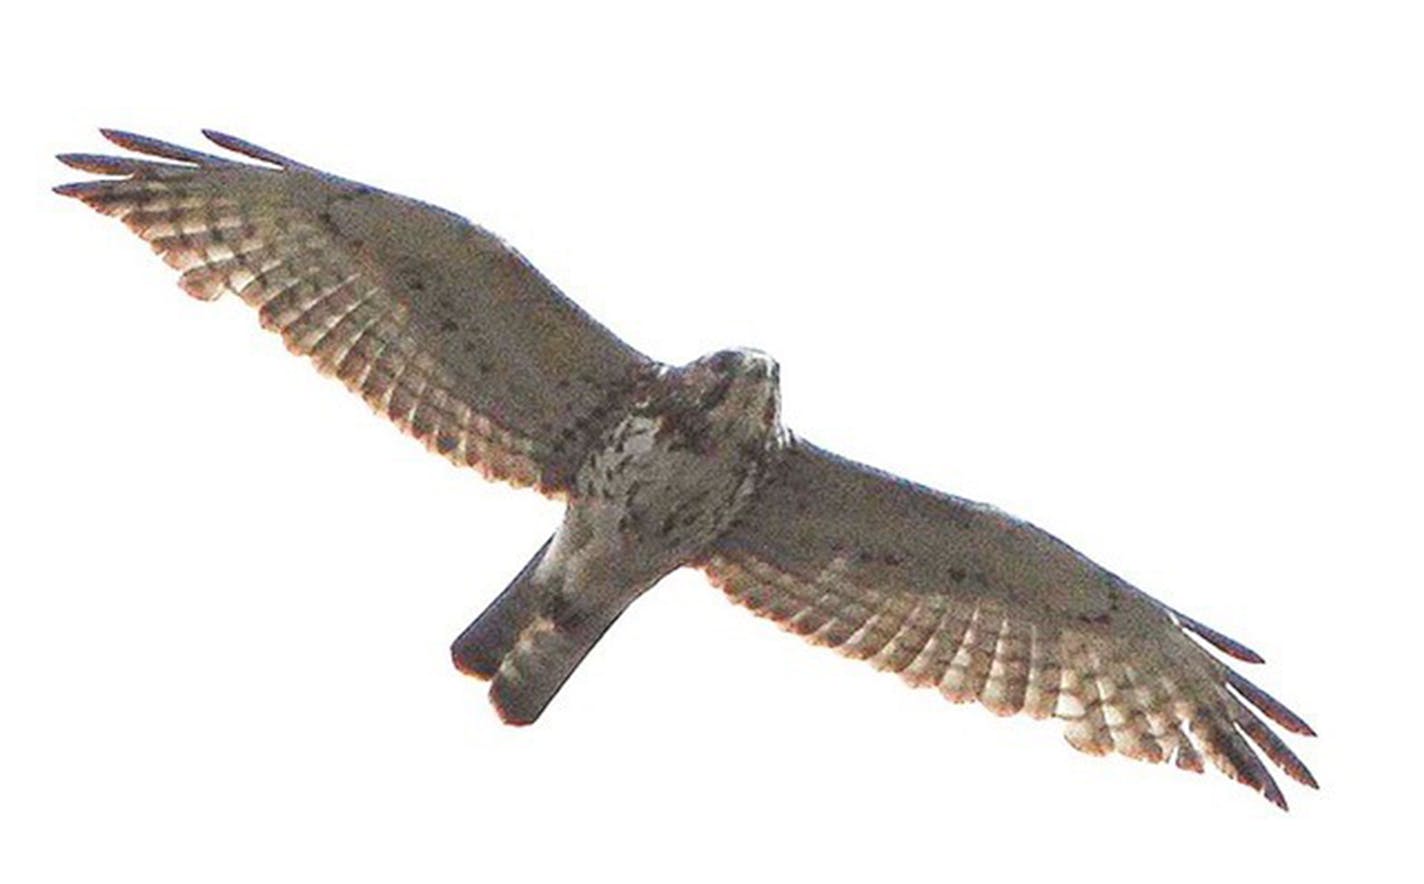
[[480, 648], [528, 641], [549, 649]]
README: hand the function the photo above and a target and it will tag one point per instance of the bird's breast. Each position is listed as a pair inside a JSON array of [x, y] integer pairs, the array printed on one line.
[[669, 481]]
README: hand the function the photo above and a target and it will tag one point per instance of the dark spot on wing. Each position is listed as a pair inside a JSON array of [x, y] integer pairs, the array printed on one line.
[[354, 193]]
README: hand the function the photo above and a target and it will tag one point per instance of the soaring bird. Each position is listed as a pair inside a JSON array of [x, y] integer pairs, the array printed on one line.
[[455, 337]]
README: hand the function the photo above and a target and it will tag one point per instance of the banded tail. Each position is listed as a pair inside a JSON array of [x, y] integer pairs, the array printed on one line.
[[528, 641]]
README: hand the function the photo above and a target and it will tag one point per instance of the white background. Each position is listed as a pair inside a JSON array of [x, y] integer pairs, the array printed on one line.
[[1145, 274]]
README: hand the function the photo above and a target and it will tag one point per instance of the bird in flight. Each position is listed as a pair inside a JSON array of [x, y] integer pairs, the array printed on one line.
[[446, 330]]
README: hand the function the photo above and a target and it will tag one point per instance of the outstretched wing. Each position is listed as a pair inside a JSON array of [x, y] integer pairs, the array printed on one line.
[[437, 323], [958, 595]]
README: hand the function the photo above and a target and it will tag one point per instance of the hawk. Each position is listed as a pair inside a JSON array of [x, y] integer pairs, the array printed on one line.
[[451, 334]]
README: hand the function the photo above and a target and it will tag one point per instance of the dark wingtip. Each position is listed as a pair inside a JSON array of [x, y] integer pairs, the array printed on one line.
[[1273, 795], [1274, 747], [247, 148], [107, 165], [1251, 772], [1274, 709], [124, 138], [154, 147], [85, 191], [1221, 642]]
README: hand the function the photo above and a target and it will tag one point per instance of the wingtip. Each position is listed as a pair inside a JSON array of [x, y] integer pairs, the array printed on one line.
[[159, 148], [121, 137], [1274, 795], [1274, 709], [218, 137], [100, 164], [1222, 642], [1259, 778], [80, 190], [247, 148], [1230, 646]]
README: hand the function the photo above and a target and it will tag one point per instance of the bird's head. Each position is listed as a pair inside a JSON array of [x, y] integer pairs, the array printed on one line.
[[739, 386]]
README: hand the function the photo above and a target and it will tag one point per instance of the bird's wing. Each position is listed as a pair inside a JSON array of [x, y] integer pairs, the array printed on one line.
[[958, 595], [438, 324]]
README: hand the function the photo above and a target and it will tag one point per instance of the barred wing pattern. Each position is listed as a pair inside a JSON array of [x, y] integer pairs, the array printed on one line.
[[437, 323], [960, 596]]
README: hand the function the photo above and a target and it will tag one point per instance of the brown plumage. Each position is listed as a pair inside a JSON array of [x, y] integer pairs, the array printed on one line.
[[452, 335], [959, 596]]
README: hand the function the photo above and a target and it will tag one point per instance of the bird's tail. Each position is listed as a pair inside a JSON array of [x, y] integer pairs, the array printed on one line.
[[527, 642]]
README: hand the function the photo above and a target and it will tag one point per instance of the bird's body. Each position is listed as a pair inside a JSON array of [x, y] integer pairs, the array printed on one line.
[[655, 491], [447, 331]]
